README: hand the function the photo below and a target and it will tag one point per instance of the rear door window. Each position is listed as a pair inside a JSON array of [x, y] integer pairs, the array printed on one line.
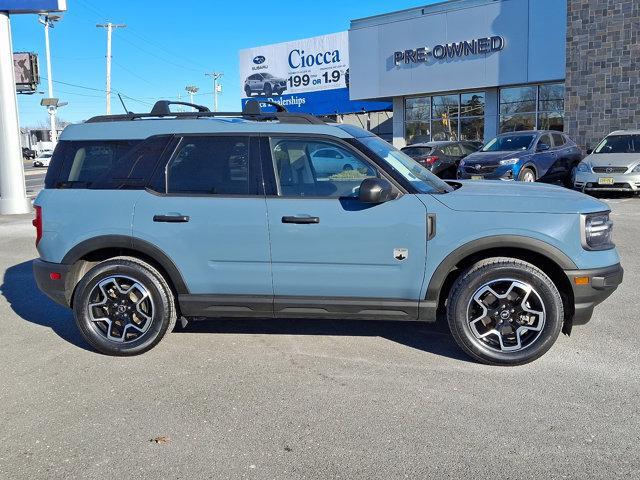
[[558, 140], [417, 152], [210, 165]]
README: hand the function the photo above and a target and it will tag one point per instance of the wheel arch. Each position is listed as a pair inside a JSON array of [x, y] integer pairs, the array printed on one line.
[[88, 253], [548, 258]]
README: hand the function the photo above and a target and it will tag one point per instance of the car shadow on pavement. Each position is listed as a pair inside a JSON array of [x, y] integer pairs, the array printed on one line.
[[432, 338], [28, 302]]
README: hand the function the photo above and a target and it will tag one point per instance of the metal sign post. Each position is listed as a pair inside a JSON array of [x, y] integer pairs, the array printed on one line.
[[13, 197]]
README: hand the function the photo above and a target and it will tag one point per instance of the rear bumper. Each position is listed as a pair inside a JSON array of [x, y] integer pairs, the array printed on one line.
[[602, 283], [56, 290]]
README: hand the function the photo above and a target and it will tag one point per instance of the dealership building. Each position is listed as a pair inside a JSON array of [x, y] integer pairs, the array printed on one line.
[[469, 69]]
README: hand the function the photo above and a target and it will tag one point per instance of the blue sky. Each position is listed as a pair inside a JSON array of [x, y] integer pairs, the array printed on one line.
[[168, 45]]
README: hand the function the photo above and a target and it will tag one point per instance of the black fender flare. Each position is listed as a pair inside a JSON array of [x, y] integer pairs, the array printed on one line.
[[534, 245], [130, 243]]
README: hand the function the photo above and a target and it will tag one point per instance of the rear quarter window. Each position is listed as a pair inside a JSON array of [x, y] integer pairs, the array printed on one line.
[[104, 164]]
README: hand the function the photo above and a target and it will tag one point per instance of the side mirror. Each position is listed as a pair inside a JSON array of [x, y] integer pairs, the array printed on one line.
[[542, 147], [375, 190], [589, 151]]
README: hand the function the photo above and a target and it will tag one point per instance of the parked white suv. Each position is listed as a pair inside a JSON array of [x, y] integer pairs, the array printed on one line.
[[614, 165]]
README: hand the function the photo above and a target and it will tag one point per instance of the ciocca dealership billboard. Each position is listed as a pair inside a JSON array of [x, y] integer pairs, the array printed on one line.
[[309, 75]]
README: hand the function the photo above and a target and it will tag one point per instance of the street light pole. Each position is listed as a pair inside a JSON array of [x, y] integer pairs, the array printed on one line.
[[109, 26], [215, 76], [48, 21]]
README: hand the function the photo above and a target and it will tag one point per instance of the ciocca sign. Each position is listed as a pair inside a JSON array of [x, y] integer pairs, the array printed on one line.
[[477, 46]]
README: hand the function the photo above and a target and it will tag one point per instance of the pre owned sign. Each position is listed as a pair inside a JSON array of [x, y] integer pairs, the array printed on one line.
[[457, 49]]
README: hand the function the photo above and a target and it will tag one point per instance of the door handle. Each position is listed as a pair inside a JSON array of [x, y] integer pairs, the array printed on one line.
[[171, 218], [300, 220]]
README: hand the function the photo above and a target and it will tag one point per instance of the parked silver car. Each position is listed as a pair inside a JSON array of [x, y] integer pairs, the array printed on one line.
[[614, 165]]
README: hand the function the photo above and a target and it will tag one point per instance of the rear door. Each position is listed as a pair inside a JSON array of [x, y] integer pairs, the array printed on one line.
[[328, 249], [546, 161], [205, 209]]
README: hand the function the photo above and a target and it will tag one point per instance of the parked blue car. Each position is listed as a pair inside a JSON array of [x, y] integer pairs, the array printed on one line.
[[150, 218], [527, 156]]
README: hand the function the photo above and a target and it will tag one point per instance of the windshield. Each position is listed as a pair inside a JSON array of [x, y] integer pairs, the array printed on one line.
[[421, 179], [619, 144], [417, 152], [267, 75], [509, 143]]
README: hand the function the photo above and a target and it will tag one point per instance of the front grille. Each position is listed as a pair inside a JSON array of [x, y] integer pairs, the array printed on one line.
[[609, 169], [480, 169], [595, 186]]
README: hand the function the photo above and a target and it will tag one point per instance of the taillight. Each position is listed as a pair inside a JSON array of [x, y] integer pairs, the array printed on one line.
[[431, 159], [37, 222]]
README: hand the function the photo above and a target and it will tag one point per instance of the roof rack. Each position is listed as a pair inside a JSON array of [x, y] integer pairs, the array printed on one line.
[[252, 110]]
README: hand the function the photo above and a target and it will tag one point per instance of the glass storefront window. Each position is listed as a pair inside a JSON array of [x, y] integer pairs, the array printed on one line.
[[472, 104], [551, 121], [416, 132], [444, 129], [518, 100], [551, 98], [514, 123], [472, 128], [418, 108], [445, 117]]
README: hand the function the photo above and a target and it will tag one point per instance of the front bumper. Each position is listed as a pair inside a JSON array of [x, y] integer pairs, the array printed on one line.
[[57, 290], [622, 182], [602, 283]]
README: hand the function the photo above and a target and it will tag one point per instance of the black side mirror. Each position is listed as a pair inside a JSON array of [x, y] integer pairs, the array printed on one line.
[[589, 151], [375, 190], [542, 147]]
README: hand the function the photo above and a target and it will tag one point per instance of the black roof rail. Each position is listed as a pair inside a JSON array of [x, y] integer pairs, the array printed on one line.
[[251, 111]]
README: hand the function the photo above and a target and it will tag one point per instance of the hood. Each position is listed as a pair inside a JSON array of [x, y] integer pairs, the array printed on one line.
[[613, 159], [493, 157], [518, 197]]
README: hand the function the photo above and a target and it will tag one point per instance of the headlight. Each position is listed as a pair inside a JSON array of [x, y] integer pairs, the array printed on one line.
[[597, 231], [583, 167], [461, 164], [636, 169], [509, 161]]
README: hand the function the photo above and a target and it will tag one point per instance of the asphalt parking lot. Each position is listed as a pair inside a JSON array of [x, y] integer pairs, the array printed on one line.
[[313, 399]]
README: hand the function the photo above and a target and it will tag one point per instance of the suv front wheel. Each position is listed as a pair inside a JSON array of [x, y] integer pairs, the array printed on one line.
[[124, 306], [504, 311]]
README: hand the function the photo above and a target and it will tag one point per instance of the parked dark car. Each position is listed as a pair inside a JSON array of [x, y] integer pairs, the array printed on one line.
[[443, 157], [28, 154], [527, 156]]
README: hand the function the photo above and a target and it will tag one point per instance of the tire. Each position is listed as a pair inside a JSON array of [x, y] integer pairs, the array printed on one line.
[[527, 174], [267, 89], [347, 167], [570, 179], [145, 318], [534, 330]]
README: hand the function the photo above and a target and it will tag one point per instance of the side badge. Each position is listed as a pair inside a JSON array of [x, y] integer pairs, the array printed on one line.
[[400, 254]]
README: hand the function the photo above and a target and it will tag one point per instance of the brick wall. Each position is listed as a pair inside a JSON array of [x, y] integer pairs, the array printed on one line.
[[603, 68]]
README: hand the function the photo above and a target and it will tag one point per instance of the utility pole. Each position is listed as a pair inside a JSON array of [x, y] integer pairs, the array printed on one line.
[[192, 90], [109, 26], [48, 21], [13, 198], [216, 88]]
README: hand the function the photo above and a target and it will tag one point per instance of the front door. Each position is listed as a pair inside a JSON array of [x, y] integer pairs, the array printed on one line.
[[330, 252], [208, 215]]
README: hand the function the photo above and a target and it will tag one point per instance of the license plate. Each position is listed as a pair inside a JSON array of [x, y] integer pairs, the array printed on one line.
[[605, 181], [477, 177]]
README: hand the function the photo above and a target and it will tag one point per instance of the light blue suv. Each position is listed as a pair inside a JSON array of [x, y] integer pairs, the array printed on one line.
[[148, 218]]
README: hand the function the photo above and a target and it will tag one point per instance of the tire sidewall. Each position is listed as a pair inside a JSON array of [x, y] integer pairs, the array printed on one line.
[[161, 309], [549, 296], [526, 170]]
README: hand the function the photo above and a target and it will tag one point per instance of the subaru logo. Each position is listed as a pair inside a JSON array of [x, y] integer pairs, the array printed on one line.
[[478, 166], [259, 59]]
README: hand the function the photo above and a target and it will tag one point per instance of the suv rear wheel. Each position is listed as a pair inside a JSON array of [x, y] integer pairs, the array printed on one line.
[[124, 306], [504, 311]]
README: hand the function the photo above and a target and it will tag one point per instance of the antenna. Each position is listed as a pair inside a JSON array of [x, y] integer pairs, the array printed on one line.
[[123, 105]]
